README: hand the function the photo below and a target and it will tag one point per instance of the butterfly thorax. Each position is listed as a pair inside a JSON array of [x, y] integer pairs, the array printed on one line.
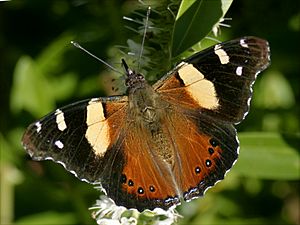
[[144, 102]]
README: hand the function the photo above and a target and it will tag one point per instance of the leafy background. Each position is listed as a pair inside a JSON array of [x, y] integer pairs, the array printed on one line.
[[40, 71]]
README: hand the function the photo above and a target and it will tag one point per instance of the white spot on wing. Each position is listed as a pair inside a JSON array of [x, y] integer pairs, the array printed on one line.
[[239, 70], [97, 132], [94, 100], [200, 89], [224, 58], [72, 171], [38, 126], [243, 43], [60, 120], [59, 144]]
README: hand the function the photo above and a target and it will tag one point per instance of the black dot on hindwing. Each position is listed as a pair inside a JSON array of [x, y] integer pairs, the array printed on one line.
[[152, 188], [208, 162], [140, 190], [130, 183], [213, 142], [123, 178], [197, 170], [211, 151]]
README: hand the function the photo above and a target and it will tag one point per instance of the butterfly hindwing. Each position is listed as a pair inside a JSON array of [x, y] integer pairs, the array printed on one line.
[[144, 181], [212, 150]]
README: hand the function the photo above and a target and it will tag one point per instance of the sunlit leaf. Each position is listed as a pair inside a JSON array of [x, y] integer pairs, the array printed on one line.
[[35, 89], [64, 85], [47, 218], [51, 57], [269, 156], [195, 19], [30, 90], [274, 91]]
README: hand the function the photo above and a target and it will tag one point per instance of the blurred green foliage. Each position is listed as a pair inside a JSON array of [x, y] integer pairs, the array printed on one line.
[[40, 70]]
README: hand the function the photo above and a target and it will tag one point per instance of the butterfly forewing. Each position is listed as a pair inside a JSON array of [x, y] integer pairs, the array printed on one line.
[[219, 78], [78, 136]]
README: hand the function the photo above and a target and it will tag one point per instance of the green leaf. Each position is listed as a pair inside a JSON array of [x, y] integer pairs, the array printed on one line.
[[50, 59], [31, 90], [64, 86], [225, 6], [48, 218], [35, 89], [184, 6], [274, 91], [269, 156], [195, 19]]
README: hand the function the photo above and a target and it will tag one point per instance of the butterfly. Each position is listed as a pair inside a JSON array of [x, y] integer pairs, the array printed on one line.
[[163, 144]]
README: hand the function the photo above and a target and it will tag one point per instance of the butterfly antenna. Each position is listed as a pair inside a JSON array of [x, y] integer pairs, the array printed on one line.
[[100, 60], [125, 66], [144, 37]]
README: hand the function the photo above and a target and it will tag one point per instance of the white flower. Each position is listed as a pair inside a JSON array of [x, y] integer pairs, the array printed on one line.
[[106, 212]]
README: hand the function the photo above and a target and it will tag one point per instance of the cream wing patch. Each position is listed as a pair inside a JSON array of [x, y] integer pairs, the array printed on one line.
[[201, 90], [60, 120], [97, 132], [223, 57]]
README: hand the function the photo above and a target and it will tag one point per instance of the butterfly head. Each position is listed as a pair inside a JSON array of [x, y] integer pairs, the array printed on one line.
[[133, 80]]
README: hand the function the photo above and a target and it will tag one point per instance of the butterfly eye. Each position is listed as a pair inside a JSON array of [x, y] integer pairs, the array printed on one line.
[[140, 77]]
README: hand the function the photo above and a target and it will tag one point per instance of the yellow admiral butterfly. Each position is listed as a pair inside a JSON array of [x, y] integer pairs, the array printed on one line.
[[161, 144]]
